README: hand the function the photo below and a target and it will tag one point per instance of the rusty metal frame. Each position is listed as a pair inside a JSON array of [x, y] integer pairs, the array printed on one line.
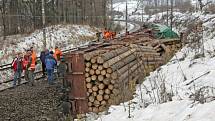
[[75, 76]]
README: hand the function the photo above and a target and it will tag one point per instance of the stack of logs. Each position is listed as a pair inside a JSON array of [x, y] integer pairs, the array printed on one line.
[[111, 73]]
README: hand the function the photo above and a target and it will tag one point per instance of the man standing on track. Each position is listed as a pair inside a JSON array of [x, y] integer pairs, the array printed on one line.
[[31, 67], [50, 65], [42, 59], [18, 66]]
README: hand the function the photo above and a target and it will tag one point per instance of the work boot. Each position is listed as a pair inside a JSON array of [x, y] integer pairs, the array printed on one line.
[[19, 82]]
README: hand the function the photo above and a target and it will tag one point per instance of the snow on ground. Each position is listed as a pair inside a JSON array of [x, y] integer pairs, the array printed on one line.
[[183, 110], [134, 10], [66, 36], [181, 90]]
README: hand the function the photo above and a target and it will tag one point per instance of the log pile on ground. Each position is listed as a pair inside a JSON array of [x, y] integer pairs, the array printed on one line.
[[111, 72]]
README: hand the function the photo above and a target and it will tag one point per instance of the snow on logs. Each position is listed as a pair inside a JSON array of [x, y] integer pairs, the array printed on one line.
[[109, 73]]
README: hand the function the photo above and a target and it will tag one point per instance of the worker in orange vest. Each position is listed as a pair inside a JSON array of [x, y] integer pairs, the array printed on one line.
[[34, 55], [105, 33], [31, 67], [58, 54], [108, 35]]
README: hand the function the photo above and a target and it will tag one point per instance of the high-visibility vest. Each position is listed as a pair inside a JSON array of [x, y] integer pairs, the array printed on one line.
[[33, 62], [58, 53], [34, 56]]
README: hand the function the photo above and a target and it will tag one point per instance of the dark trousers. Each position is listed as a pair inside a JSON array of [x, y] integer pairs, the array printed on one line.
[[17, 76], [44, 69], [50, 73]]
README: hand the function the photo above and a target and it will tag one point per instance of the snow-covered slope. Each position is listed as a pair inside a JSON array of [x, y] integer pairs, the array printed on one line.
[[64, 36], [181, 90]]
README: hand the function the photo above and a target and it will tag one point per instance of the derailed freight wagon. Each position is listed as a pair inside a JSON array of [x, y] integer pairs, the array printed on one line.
[[105, 74]]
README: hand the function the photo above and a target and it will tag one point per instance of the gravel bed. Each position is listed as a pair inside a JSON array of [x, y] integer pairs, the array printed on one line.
[[26, 103]]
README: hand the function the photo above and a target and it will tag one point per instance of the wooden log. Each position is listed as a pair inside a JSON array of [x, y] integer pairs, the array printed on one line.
[[101, 86], [110, 87], [132, 73], [131, 59], [109, 70], [104, 103], [128, 69], [94, 66], [99, 97], [98, 72], [112, 96], [100, 77], [116, 85], [103, 72], [95, 88], [88, 79], [88, 94], [106, 81], [95, 109], [95, 94], [90, 109], [106, 97], [100, 67], [91, 99], [115, 91], [107, 91], [90, 104], [111, 54], [89, 85], [87, 75], [94, 77], [90, 55], [101, 92], [88, 64], [110, 102], [87, 69], [93, 60], [101, 108], [96, 103], [112, 81], [118, 58], [90, 90], [92, 71], [108, 75]]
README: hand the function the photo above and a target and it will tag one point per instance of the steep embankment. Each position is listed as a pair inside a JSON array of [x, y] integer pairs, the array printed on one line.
[[183, 89]]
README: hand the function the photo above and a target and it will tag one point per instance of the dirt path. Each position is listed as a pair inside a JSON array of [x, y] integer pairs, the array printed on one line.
[[26, 103]]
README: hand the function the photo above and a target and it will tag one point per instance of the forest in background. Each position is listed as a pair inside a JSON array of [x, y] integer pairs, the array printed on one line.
[[25, 16]]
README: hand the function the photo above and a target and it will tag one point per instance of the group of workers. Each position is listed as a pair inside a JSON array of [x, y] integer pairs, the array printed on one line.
[[106, 35], [50, 61]]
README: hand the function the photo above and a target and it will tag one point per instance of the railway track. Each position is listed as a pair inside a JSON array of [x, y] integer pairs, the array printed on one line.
[[38, 74]]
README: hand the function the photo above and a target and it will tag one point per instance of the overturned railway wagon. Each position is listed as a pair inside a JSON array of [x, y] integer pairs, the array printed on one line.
[[105, 74]]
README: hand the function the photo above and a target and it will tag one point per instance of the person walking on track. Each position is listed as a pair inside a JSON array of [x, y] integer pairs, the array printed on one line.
[[18, 66], [50, 63]]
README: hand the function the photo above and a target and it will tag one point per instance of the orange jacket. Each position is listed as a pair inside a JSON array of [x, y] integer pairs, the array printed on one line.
[[58, 53], [33, 62], [107, 35], [34, 56]]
